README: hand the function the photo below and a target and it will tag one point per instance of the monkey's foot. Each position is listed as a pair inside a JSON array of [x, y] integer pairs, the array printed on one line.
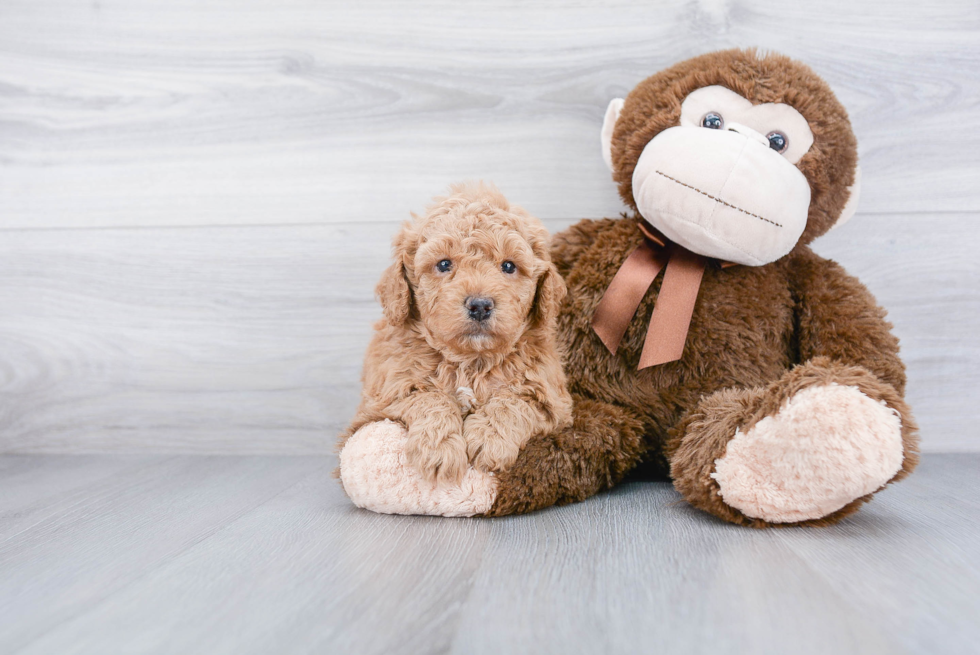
[[827, 446], [376, 476]]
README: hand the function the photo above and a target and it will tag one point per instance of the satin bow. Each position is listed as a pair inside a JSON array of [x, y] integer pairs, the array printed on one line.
[[671, 317]]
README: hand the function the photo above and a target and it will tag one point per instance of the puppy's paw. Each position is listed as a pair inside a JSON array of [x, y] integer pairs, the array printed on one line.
[[437, 458], [488, 449]]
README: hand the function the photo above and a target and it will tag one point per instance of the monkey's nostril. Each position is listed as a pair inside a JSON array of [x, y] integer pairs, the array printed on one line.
[[479, 308], [747, 132]]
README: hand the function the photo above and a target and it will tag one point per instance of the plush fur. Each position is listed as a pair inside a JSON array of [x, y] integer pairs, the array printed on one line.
[[759, 338], [468, 392]]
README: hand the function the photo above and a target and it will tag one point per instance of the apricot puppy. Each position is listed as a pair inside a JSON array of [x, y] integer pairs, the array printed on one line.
[[465, 356]]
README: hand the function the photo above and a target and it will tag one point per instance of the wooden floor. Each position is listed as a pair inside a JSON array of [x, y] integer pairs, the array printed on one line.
[[198, 554]]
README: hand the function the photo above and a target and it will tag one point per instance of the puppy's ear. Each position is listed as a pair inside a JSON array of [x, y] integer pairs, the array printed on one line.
[[395, 294], [394, 290], [547, 300]]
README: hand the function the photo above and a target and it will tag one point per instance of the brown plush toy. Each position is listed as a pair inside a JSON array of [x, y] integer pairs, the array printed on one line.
[[701, 332]]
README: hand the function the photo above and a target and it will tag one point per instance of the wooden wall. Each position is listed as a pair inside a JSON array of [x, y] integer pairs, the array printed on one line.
[[196, 198]]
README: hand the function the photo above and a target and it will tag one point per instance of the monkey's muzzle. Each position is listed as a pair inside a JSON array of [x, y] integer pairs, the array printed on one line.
[[722, 194]]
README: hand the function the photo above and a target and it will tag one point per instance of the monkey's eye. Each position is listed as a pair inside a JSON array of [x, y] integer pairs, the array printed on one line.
[[713, 121], [508, 267], [778, 141], [444, 266]]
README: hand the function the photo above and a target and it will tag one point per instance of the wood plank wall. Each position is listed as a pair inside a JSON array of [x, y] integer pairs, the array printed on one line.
[[196, 198]]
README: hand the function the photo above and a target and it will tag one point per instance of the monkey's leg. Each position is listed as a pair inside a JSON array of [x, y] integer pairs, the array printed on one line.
[[604, 443], [808, 449]]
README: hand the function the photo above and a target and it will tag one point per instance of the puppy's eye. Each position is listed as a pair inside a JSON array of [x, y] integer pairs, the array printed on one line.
[[509, 267], [444, 266], [778, 141], [713, 121]]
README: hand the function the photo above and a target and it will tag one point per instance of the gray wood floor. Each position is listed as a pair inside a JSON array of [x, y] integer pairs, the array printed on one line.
[[110, 554]]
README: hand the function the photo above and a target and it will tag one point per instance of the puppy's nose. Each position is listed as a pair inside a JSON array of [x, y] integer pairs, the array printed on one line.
[[479, 308]]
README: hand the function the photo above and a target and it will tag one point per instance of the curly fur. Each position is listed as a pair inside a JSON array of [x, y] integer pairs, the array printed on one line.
[[467, 392]]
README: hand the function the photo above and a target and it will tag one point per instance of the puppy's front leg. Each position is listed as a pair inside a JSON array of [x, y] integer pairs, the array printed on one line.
[[496, 432], [435, 446]]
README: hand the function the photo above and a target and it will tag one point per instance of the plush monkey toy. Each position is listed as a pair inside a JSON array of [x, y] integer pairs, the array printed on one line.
[[701, 332]]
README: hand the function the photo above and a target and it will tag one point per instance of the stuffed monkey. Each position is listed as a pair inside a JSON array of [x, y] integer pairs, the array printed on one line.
[[701, 333]]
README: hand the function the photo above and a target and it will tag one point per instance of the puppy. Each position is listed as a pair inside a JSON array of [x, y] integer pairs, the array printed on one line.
[[465, 356]]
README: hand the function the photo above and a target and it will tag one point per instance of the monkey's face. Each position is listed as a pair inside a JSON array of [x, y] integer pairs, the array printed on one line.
[[723, 183], [741, 178]]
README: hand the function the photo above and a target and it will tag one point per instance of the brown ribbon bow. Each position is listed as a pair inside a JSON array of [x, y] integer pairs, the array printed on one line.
[[675, 304]]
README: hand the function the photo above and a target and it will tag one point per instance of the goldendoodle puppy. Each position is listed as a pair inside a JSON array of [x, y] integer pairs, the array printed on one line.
[[465, 356]]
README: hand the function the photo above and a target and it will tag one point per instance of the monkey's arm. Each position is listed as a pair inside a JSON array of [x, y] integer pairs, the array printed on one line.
[[838, 318], [602, 445], [839, 322]]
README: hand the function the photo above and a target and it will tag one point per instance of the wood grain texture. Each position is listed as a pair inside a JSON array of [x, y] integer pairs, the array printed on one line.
[[250, 339], [181, 113], [320, 125], [85, 544], [300, 570], [34, 488], [305, 572]]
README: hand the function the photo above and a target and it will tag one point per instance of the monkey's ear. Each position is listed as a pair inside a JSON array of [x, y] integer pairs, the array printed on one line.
[[395, 294], [608, 125], [852, 200], [547, 300]]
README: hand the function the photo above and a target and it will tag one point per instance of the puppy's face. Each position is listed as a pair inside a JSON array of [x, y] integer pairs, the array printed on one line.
[[475, 272], [475, 284]]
